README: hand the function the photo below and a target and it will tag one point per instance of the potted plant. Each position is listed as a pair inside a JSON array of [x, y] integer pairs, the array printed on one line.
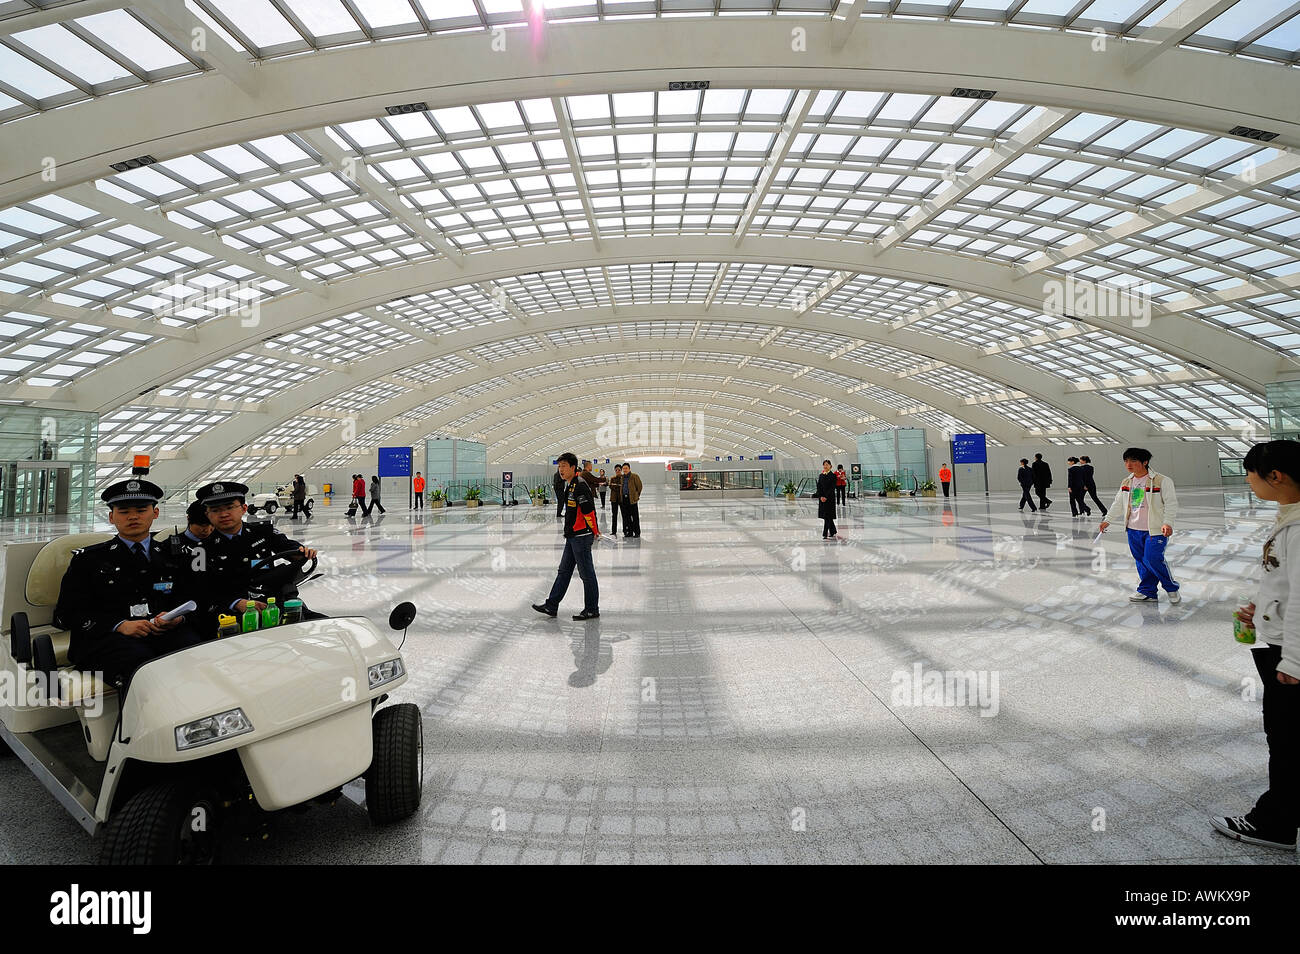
[[927, 489], [789, 490], [538, 495], [472, 496], [438, 498], [892, 487]]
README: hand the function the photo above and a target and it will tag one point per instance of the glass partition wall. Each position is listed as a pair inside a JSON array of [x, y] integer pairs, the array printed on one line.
[[47, 461]]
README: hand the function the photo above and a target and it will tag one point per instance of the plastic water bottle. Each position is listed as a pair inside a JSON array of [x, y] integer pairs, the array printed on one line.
[[292, 611], [1242, 631], [270, 615], [227, 626], [250, 616]]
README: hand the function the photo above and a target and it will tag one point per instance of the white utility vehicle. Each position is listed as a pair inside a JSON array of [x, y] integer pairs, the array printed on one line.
[[282, 499], [209, 736]]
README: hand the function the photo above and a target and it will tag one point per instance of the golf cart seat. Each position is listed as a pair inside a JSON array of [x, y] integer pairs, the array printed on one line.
[[41, 590], [33, 577]]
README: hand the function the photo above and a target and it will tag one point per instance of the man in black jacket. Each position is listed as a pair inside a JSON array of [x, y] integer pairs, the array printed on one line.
[[580, 533], [1042, 480], [235, 555], [113, 592], [1074, 483], [1026, 478], [557, 485], [1090, 483]]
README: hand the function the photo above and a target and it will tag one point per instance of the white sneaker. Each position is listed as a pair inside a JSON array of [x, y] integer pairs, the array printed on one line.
[[1176, 596], [1139, 598]]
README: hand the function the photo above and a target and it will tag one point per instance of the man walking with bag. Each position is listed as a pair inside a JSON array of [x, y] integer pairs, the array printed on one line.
[[580, 532]]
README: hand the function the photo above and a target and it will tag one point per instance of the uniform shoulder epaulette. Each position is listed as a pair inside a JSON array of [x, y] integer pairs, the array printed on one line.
[[92, 547]]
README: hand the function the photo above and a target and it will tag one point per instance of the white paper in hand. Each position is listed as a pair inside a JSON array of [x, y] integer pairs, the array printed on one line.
[[188, 606], [1097, 537]]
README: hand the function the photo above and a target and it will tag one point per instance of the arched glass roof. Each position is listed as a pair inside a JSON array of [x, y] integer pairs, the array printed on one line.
[[865, 257]]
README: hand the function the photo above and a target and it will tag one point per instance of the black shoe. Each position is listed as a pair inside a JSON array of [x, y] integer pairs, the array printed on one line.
[[544, 610], [587, 614], [1243, 828]]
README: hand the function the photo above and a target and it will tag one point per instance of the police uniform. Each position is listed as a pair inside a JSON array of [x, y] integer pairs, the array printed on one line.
[[110, 583], [231, 563]]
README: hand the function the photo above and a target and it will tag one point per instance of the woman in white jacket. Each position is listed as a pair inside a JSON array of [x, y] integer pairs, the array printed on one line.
[[1273, 470], [1150, 506]]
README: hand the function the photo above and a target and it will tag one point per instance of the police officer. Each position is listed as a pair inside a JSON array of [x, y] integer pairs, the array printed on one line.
[[234, 548], [113, 592], [181, 545]]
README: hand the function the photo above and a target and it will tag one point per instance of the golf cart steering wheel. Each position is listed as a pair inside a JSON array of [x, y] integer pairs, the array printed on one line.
[[270, 577]]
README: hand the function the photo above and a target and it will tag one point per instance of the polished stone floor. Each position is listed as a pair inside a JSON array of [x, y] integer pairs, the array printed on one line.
[[754, 694]]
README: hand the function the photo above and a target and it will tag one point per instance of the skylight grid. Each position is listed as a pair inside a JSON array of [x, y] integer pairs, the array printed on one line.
[[662, 283], [1032, 414], [437, 369], [146, 429], [505, 350], [376, 436], [344, 339], [365, 396], [246, 376], [295, 432], [1218, 406]]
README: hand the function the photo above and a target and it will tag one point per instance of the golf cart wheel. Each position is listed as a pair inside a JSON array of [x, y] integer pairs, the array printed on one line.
[[171, 823], [271, 506], [307, 505], [396, 772]]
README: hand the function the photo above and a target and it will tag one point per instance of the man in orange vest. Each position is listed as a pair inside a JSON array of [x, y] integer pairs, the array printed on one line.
[[945, 478], [419, 491]]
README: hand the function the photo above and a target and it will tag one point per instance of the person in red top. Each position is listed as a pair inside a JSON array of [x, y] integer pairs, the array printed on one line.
[[945, 478], [359, 493], [841, 486], [419, 491]]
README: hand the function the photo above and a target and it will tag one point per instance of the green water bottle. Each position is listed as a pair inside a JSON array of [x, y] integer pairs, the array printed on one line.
[[250, 616], [270, 615]]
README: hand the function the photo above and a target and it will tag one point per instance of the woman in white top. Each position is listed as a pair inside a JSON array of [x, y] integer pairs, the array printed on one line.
[[1149, 505], [1273, 470]]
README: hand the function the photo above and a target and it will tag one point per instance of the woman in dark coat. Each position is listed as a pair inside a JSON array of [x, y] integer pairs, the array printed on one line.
[[826, 501]]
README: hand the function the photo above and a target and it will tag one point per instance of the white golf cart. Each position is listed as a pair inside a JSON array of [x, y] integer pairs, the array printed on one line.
[[218, 733], [282, 499]]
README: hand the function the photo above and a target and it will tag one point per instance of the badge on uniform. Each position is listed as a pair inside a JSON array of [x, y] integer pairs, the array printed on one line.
[[140, 609]]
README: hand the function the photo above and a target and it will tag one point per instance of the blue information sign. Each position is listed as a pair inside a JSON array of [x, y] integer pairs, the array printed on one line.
[[969, 449], [394, 462]]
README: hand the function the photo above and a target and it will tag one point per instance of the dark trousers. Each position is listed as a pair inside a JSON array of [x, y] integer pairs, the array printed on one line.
[[842, 494], [614, 508], [1092, 490], [361, 505], [419, 500], [828, 527], [1041, 490], [374, 502], [118, 656], [559, 503], [1026, 499], [577, 553], [1078, 503], [945, 486], [1279, 807], [631, 519], [602, 500]]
